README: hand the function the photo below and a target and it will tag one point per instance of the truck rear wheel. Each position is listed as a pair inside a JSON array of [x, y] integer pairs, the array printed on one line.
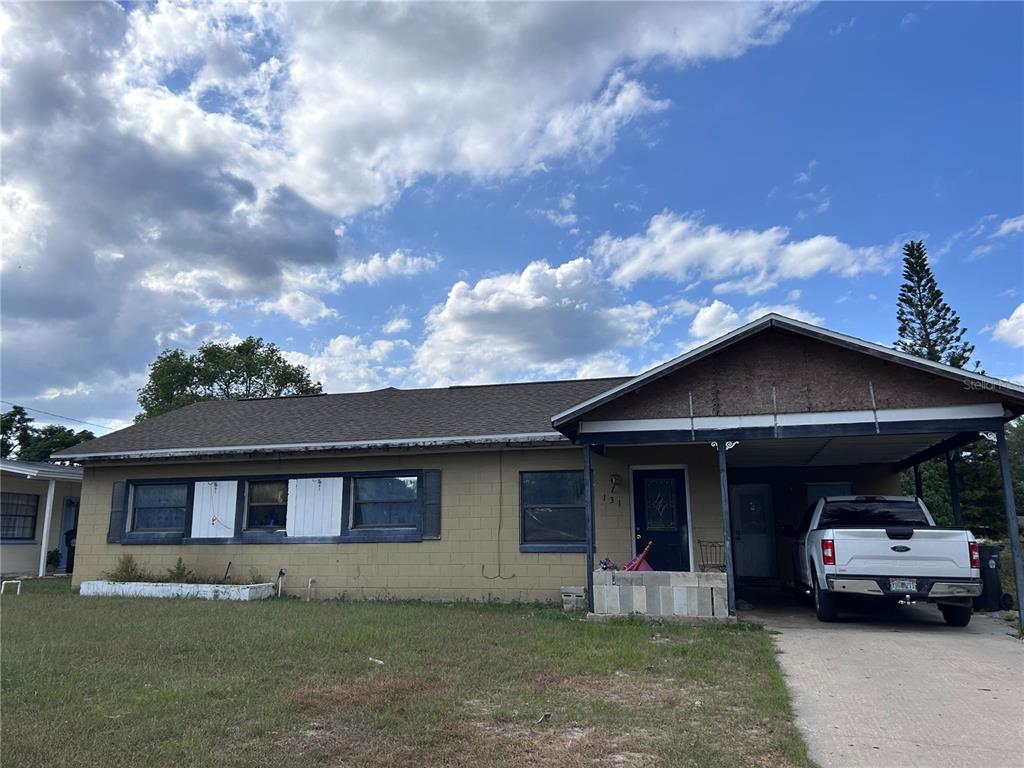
[[826, 606], [957, 615]]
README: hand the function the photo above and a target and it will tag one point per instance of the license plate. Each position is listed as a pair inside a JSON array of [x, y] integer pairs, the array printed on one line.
[[903, 585]]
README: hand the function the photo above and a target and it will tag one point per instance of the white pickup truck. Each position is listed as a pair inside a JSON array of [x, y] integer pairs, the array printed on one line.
[[885, 547]]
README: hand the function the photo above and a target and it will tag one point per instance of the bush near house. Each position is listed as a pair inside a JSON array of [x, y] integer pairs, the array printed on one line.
[[285, 682]]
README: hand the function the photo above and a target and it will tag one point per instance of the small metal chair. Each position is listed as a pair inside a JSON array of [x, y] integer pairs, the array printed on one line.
[[712, 556]]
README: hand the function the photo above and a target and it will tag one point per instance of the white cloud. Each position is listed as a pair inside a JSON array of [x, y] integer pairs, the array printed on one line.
[[718, 318], [980, 251], [397, 325], [204, 158], [908, 19], [563, 216], [24, 221], [843, 26], [544, 321], [379, 267], [804, 176], [714, 320], [300, 307], [1010, 330], [684, 249], [483, 90], [1010, 227], [346, 364], [968, 233]]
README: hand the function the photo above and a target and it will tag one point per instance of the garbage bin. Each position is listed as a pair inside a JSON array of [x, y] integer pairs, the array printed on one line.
[[69, 543], [991, 595]]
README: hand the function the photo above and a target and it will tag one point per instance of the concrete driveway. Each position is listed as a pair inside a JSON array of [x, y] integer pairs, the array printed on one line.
[[897, 687]]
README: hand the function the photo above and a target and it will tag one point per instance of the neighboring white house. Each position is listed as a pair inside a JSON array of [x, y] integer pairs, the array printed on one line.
[[38, 503]]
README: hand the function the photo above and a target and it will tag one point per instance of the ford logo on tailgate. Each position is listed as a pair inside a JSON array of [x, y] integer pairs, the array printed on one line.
[[900, 548]]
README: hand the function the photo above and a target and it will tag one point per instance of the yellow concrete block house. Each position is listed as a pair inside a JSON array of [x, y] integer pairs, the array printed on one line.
[[514, 491]]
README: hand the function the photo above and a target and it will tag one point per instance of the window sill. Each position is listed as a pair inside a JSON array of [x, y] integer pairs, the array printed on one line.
[[155, 537], [381, 535], [370, 536], [5, 542], [259, 536], [573, 548]]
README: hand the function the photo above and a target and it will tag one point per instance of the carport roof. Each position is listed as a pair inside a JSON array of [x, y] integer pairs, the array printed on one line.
[[832, 451]]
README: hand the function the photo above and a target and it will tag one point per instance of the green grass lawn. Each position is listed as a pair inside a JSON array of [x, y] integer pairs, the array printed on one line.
[[121, 682]]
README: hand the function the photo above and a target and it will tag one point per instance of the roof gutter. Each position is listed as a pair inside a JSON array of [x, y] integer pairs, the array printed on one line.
[[347, 445], [43, 474]]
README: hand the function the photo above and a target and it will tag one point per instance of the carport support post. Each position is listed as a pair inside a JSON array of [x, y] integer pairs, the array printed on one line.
[[954, 489], [917, 481], [47, 517], [723, 478], [1011, 524], [588, 520]]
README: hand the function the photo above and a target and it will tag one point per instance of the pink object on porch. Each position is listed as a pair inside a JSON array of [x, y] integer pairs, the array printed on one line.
[[639, 563]]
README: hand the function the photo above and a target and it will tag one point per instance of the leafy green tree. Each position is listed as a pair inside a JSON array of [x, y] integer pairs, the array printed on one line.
[[15, 430], [221, 371], [50, 439], [928, 326], [25, 441]]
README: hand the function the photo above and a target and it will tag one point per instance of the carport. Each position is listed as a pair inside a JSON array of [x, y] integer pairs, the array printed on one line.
[[789, 410]]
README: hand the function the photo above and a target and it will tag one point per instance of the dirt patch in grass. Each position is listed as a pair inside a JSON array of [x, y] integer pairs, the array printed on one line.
[[622, 688], [568, 745], [373, 693]]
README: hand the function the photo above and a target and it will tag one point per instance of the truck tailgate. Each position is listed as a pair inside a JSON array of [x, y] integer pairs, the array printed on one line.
[[928, 552]]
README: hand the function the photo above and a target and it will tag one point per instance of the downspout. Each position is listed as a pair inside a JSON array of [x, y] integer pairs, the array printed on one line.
[[47, 517]]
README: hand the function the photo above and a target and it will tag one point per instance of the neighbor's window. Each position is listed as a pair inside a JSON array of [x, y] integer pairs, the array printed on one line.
[[552, 507], [385, 502], [18, 515], [266, 504], [159, 507]]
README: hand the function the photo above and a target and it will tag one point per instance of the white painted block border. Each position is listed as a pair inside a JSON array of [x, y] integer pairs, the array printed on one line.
[[165, 589]]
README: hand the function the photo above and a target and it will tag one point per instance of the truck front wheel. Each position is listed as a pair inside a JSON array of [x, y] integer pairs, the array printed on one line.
[[825, 603], [957, 615]]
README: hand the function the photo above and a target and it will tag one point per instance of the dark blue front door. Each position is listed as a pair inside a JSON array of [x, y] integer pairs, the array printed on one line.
[[659, 506]]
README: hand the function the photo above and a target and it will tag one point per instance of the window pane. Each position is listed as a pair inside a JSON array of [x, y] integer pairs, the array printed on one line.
[[18, 515], [274, 492], [159, 518], [385, 488], [384, 514], [660, 504], [559, 525], [159, 507], [19, 503], [161, 496], [871, 513], [539, 488], [268, 516], [18, 518]]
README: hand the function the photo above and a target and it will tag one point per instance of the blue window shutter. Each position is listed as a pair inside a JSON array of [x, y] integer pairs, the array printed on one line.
[[118, 500], [431, 528]]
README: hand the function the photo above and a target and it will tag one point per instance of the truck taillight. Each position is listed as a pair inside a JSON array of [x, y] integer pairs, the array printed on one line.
[[972, 547], [828, 552]]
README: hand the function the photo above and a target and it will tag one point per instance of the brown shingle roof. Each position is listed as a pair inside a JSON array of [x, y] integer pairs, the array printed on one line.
[[387, 414]]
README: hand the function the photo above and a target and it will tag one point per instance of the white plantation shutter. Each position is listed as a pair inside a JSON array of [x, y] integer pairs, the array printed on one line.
[[213, 509], [314, 506]]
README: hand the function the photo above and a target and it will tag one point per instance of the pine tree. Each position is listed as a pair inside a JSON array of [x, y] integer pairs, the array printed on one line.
[[928, 326]]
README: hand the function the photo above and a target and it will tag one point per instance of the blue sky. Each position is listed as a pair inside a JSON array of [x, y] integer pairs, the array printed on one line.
[[443, 194]]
